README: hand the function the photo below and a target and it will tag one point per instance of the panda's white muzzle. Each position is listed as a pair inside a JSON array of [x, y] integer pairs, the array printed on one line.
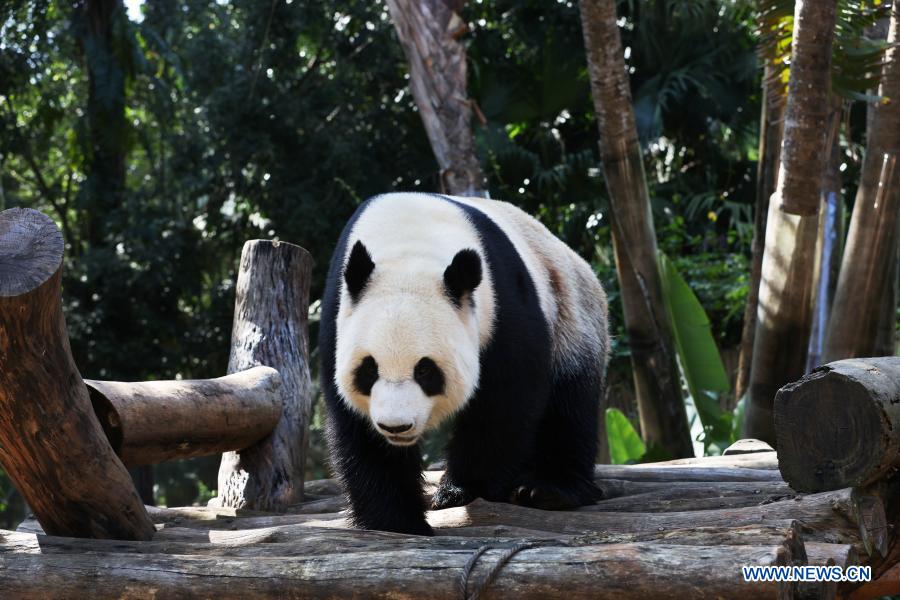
[[399, 411]]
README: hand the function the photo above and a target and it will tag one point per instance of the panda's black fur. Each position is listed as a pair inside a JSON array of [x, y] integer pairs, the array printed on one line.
[[524, 436]]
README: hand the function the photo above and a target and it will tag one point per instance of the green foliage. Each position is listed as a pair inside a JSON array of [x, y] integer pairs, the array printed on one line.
[[698, 355], [699, 359], [625, 445], [855, 60]]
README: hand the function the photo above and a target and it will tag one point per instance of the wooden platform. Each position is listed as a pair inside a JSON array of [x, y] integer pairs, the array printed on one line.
[[681, 529]]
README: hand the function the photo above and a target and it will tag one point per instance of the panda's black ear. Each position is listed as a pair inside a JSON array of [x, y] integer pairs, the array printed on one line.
[[463, 275], [358, 270]]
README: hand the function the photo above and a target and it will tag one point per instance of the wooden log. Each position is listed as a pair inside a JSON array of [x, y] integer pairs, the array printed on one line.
[[296, 540], [747, 446], [839, 426], [763, 459], [614, 571], [305, 542], [829, 517], [688, 472], [51, 444], [657, 502], [689, 490], [311, 537], [270, 328], [621, 480], [842, 555], [155, 421]]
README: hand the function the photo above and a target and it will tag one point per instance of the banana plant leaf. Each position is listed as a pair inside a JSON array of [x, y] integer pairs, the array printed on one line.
[[625, 445], [698, 354]]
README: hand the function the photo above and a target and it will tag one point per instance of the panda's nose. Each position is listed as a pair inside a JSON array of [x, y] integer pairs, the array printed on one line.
[[395, 428]]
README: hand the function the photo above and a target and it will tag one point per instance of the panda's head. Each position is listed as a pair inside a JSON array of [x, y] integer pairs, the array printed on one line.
[[407, 352]]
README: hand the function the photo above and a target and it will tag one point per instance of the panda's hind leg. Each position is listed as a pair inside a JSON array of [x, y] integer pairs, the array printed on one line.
[[562, 475]]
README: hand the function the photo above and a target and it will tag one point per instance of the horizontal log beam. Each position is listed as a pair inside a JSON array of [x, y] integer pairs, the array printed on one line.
[[839, 426], [752, 459], [614, 571], [688, 472], [616, 489], [154, 421], [658, 502]]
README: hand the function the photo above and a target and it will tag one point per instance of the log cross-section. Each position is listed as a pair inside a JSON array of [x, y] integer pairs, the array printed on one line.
[[154, 421], [270, 328], [51, 444], [839, 426]]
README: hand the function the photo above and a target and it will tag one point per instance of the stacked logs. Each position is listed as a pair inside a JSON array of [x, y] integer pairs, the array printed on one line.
[[683, 528], [65, 442]]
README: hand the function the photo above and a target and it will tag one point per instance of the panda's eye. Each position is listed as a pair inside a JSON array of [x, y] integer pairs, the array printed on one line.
[[365, 376], [429, 377]]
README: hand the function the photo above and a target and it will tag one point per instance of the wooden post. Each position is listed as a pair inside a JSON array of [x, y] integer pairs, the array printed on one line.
[[50, 441], [270, 328], [155, 421], [839, 426]]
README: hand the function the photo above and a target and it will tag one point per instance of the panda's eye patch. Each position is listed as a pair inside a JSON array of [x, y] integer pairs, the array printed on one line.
[[365, 376], [429, 377]]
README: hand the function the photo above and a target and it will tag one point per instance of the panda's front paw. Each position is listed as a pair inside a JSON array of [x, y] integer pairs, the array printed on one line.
[[449, 495]]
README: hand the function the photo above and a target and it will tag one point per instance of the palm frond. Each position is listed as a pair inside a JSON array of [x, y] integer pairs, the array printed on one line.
[[856, 58]]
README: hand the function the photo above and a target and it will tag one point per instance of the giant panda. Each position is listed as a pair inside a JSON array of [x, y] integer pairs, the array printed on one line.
[[438, 306]]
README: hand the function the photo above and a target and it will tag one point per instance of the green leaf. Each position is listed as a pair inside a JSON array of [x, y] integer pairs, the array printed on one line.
[[625, 445], [699, 357]]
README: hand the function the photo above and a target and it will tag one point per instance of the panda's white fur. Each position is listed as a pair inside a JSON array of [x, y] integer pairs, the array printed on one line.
[[411, 239]]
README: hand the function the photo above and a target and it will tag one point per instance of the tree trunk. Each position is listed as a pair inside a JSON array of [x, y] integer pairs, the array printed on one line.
[[866, 271], [270, 328], [657, 382], [770, 131], [806, 113], [428, 31], [51, 444], [155, 421], [97, 22], [784, 315], [840, 425]]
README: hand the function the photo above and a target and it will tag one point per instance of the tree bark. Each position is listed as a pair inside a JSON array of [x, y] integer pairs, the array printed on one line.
[[784, 314], [770, 133], [619, 489], [657, 382], [51, 444], [155, 421], [829, 513], [866, 270], [270, 329], [686, 473], [627, 571], [428, 31], [840, 425], [806, 113]]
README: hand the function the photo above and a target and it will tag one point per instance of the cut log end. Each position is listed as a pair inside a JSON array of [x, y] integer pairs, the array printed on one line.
[[31, 250], [836, 427]]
